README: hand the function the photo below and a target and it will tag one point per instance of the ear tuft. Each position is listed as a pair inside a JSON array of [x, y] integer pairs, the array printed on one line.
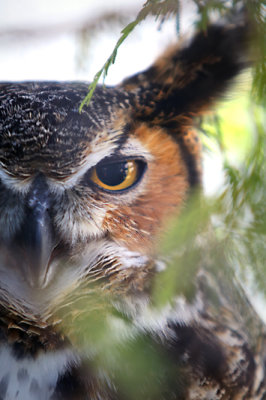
[[187, 79]]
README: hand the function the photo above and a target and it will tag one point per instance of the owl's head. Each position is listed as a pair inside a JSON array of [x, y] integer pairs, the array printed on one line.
[[83, 195]]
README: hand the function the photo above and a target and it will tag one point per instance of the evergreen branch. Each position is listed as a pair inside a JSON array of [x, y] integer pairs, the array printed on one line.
[[158, 8]]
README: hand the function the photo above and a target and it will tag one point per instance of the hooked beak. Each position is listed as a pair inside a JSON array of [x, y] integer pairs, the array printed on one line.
[[35, 242]]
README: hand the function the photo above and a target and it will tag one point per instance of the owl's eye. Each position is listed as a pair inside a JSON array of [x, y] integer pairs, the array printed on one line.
[[118, 175]]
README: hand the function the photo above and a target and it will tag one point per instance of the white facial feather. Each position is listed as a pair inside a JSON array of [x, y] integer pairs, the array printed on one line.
[[96, 255], [33, 378]]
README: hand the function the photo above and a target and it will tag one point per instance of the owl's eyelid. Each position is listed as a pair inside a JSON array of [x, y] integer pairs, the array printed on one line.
[[119, 159]]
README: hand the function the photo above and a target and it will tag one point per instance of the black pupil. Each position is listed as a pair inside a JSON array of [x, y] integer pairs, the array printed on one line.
[[112, 174]]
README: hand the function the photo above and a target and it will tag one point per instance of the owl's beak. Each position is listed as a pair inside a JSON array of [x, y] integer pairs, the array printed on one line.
[[36, 240]]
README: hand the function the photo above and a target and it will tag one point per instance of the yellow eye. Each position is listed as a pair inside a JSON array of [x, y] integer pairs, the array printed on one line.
[[117, 175]]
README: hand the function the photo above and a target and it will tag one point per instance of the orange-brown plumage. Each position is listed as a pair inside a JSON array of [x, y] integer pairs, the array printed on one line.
[[164, 192]]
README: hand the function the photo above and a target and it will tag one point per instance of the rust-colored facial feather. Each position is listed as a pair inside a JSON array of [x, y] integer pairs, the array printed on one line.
[[166, 187]]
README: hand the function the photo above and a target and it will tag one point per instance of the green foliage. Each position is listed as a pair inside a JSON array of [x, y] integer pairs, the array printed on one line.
[[236, 218], [162, 10], [243, 210], [228, 229], [103, 71], [159, 9], [225, 233]]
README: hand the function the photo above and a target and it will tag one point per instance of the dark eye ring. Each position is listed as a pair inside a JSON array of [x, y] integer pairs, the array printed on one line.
[[116, 176]]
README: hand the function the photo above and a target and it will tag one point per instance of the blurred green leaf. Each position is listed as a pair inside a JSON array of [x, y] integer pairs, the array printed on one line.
[[224, 234]]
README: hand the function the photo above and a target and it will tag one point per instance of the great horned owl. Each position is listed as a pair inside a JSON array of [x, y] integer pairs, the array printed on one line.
[[83, 195]]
